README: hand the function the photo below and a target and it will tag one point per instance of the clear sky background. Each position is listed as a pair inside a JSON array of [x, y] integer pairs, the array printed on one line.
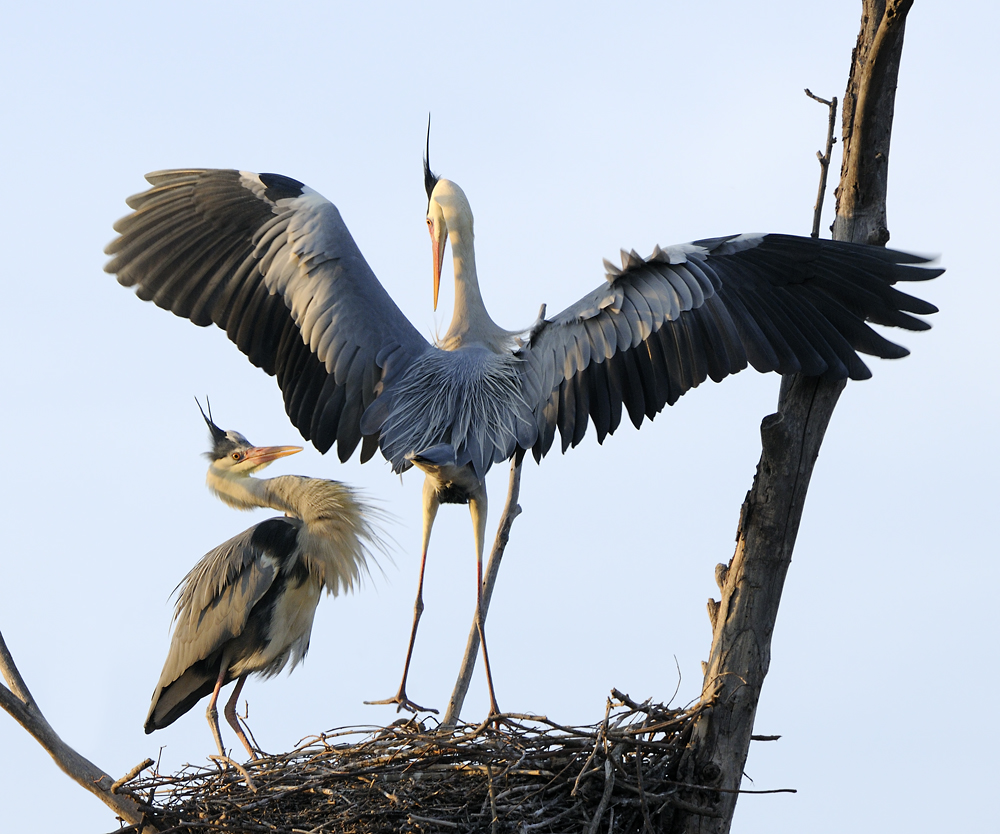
[[575, 129]]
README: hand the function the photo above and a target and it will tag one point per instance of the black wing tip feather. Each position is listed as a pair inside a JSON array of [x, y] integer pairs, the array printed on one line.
[[280, 187]]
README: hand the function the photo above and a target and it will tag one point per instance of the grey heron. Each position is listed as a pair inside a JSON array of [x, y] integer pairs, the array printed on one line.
[[272, 263], [248, 605]]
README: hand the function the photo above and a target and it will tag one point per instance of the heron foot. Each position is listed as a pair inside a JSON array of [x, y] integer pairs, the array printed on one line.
[[402, 702], [495, 722]]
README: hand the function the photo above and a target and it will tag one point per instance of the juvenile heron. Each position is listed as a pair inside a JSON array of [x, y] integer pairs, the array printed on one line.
[[272, 263], [248, 605]]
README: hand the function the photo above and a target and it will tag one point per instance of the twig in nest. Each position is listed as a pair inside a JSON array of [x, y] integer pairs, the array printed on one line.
[[236, 765], [597, 743], [128, 777], [647, 823], [494, 819], [609, 786], [444, 823]]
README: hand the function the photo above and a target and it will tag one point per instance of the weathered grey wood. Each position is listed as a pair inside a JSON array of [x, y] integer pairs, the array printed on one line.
[[751, 585], [19, 703]]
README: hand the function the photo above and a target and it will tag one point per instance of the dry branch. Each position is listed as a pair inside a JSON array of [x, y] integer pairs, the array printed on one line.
[[824, 159], [869, 104]]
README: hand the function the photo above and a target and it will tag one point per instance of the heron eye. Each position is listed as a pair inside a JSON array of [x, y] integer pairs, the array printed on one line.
[[237, 456]]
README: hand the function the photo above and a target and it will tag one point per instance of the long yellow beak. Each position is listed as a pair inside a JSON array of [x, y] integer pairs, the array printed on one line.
[[260, 455], [437, 246]]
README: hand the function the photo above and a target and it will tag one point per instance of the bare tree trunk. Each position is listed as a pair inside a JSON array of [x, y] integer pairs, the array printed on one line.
[[743, 620]]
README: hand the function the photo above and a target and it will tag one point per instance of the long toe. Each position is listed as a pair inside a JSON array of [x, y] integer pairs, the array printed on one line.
[[402, 702]]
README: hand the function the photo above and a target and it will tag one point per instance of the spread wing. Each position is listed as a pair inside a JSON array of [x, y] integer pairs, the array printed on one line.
[[659, 327], [272, 263]]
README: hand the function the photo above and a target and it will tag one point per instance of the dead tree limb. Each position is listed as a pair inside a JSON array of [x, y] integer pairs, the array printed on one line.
[[867, 114], [751, 585], [19, 703]]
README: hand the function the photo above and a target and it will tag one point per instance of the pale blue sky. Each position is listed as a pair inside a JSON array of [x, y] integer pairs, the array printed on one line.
[[575, 129]]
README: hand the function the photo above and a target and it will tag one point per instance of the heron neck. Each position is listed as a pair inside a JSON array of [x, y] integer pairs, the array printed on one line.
[[245, 492], [470, 322]]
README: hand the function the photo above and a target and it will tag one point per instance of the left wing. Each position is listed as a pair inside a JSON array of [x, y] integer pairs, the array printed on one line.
[[661, 325]]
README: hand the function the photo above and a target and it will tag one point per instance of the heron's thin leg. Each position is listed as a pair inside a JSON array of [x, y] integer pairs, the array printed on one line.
[[477, 506], [230, 712], [401, 700], [212, 713]]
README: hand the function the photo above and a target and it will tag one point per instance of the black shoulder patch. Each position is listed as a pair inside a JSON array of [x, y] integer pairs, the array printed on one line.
[[280, 187], [277, 537]]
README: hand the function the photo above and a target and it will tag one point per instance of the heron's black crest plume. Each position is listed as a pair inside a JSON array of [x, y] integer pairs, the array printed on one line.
[[216, 433], [430, 178], [223, 442]]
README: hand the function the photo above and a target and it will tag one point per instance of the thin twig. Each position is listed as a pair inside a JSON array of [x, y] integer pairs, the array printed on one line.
[[430, 821], [824, 159], [597, 743], [128, 777], [609, 786], [494, 818], [235, 764], [638, 778]]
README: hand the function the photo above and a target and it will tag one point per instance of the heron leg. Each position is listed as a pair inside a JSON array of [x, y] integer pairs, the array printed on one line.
[[431, 504], [212, 713], [477, 506], [230, 713]]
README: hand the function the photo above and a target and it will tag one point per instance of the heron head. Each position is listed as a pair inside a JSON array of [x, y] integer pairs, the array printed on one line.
[[234, 455], [448, 215]]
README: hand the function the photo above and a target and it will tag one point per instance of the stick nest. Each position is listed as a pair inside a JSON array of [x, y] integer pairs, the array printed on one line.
[[522, 774]]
